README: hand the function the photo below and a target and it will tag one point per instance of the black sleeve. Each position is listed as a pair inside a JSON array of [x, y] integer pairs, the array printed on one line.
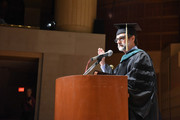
[[110, 71]]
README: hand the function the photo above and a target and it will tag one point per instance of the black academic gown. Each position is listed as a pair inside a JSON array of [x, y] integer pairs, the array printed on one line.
[[138, 66]]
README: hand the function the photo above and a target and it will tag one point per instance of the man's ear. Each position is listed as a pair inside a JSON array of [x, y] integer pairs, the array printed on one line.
[[133, 38]]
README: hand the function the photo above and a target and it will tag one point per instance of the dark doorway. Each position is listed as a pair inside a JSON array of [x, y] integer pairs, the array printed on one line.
[[16, 72]]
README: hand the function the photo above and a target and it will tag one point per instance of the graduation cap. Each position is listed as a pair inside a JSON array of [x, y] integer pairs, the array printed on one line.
[[128, 29], [131, 28]]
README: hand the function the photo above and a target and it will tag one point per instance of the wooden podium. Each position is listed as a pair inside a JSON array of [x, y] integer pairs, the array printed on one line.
[[91, 97]]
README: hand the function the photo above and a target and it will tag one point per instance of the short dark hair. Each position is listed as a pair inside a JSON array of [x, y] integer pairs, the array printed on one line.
[[135, 41]]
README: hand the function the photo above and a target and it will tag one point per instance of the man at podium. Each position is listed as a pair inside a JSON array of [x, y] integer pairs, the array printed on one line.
[[138, 66]]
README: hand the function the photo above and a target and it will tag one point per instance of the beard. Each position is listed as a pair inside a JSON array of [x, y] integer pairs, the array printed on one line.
[[121, 47]]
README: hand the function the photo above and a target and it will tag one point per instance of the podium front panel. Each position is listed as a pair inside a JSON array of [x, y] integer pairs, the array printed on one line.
[[91, 97]]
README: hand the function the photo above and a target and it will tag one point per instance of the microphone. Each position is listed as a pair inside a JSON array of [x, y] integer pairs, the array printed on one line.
[[99, 57]]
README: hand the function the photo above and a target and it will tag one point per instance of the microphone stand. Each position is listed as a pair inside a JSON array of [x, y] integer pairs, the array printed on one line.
[[92, 66]]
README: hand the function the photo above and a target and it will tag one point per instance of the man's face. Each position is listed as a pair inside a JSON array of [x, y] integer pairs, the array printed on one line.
[[29, 92], [121, 42]]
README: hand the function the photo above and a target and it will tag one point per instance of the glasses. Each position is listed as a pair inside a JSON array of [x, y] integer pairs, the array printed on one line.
[[120, 39]]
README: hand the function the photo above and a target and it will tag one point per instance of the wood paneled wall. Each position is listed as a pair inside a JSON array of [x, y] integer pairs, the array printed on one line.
[[175, 87], [169, 86], [160, 23], [159, 20]]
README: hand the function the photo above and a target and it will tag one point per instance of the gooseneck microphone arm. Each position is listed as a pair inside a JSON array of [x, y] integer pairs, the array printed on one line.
[[91, 68]]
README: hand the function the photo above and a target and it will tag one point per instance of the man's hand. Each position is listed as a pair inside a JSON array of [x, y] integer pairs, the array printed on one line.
[[101, 51], [30, 102]]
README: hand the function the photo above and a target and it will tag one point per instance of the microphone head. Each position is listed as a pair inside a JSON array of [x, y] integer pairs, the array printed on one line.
[[110, 52]]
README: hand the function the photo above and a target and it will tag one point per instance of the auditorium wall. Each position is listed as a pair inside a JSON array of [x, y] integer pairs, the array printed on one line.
[[60, 54]]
